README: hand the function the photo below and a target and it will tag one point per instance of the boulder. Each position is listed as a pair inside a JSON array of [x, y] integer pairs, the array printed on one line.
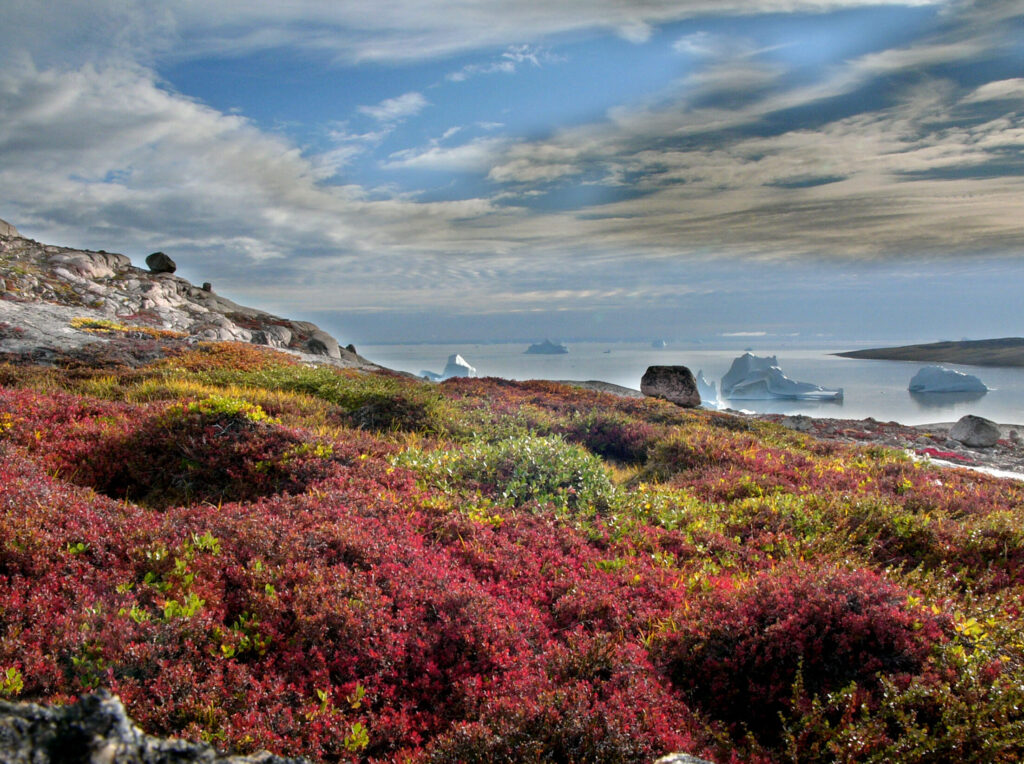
[[6, 229], [158, 262], [975, 431], [681, 758], [673, 383], [96, 729]]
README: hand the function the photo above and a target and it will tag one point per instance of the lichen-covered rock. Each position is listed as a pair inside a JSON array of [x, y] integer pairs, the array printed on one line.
[[96, 730], [673, 383]]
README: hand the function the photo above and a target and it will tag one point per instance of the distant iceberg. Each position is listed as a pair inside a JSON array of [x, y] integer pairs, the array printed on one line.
[[753, 377], [457, 366], [939, 379], [708, 393], [547, 347]]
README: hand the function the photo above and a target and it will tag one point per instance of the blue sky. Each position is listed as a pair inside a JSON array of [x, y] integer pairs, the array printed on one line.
[[419, 170]]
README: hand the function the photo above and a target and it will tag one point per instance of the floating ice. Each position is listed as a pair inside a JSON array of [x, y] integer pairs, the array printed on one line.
[[939, 379], [752, 377]]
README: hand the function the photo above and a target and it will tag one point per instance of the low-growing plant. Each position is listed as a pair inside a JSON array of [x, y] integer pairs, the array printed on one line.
[[520, 471], [742, 652]]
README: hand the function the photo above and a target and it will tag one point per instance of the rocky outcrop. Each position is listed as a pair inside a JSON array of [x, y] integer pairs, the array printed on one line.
[[673, 383], [42, 283], [96, 730], [975, 431], [6, 229]]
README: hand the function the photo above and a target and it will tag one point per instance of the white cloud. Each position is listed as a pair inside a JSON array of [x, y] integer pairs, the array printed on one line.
[[396, 109], [998, 91], [476, 155], [508, 63], [67, 31]]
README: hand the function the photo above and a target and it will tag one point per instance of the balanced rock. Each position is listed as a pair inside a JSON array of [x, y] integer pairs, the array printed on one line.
[[975, 431], [158, 262], [673, 383]]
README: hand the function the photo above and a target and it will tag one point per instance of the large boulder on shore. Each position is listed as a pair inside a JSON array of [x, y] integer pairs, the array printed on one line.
[[96, 729], [975, 431], [673, 383]]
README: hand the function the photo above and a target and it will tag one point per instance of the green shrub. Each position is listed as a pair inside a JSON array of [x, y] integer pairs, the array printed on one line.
[[519, 471]]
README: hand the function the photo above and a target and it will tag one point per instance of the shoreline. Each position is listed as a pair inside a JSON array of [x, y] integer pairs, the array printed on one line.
[[929, 442]]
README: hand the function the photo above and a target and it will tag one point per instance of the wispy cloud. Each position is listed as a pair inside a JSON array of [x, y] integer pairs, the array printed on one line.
[[509, 62], [396, 109]]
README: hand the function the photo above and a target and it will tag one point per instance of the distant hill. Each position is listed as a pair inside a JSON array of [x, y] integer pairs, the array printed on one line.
[[1008, 351]]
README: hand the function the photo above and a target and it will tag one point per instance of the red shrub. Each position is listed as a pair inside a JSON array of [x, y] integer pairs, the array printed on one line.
[[740, 650]]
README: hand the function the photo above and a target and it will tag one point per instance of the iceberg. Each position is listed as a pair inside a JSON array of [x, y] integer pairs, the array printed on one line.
[[457, 366], [547, 347], [939, 379], [708, 392], [754, 377]]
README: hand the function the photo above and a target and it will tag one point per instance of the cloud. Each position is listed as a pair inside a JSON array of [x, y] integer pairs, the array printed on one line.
[[475, 155], [509, 62], [65, 32], [1000, 90], [396, 109]]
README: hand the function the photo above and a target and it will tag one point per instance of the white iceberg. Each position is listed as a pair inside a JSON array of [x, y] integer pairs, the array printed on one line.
[[457, 366], [708, 393], [939, 379], [752, 377]]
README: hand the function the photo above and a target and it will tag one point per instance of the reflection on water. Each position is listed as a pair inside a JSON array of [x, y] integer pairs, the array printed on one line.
[[826, 408], [940, 401]]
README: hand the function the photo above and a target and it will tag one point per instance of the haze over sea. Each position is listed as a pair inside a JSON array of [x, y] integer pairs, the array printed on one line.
[[875, 389]]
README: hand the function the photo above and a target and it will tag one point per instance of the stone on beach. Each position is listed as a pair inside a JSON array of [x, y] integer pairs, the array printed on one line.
[[975, 431]]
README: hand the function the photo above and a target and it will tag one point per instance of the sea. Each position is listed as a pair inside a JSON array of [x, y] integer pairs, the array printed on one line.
[[875, 389]]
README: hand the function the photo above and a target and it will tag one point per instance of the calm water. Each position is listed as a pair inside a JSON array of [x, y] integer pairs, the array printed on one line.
[[872, 388]]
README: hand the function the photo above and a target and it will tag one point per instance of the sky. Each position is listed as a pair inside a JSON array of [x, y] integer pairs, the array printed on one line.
[[467, 170]]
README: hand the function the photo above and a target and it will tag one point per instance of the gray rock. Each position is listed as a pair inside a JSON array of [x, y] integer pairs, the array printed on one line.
[[96, 730], [798, 422], [6, 229], [681, 758], [673, 383], [975, 431], [321, 343], [158, 262]]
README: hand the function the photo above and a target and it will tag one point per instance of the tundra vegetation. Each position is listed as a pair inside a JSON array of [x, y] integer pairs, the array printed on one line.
[[363, 567]]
